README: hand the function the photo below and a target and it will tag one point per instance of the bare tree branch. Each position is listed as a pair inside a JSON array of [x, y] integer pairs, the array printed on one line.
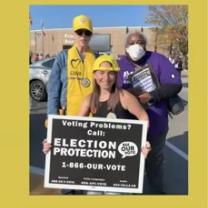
[[172, 19]]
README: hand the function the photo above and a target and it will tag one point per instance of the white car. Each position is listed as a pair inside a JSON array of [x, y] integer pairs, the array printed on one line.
[[39, 73]]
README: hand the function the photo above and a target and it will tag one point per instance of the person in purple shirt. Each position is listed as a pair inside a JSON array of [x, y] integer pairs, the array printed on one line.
[[166, 83]]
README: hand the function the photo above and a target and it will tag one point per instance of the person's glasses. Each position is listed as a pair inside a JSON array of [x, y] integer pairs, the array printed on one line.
[[85, 32]]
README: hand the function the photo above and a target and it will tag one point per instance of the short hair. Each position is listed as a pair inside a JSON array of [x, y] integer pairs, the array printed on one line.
[[141, 37]]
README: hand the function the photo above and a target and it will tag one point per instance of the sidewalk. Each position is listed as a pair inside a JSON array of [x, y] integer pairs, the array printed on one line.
[[184, 73], [36, 186]]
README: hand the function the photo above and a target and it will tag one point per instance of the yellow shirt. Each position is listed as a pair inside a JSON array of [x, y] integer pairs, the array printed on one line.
[[79, 78]]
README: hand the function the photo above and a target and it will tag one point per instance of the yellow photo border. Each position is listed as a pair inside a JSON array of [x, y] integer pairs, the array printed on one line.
[[14, 128]]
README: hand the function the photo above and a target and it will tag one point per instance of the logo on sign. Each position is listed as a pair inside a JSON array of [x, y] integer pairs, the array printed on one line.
[[127, 149]]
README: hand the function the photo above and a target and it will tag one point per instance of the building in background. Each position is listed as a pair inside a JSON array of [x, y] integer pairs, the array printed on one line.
[[105, 39]]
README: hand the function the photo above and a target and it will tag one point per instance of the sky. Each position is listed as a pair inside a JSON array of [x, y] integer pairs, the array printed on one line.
[[60, 16]]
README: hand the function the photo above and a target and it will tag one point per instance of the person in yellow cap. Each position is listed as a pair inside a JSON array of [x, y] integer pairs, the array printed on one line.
[[71, 75], [106, 99]]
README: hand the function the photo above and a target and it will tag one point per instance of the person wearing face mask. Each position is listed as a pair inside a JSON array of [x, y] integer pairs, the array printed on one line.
[[165, 83], [71, 76]]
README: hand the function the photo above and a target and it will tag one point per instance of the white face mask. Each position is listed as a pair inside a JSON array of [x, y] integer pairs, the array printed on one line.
[[135, 52]]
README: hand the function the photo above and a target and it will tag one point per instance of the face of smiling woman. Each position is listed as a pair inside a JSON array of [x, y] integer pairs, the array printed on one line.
[[82, 38], [105, 78]]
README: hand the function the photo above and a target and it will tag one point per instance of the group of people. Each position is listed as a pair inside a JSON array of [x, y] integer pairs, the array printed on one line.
[[81, 84]]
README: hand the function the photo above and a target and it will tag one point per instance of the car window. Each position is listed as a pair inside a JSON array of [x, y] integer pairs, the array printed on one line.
[[48, 63]]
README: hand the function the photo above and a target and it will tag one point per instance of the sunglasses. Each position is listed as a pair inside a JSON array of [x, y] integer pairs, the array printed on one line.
[[85, 32]]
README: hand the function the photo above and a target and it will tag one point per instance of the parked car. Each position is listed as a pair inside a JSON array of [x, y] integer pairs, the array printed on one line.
[[39, 73]]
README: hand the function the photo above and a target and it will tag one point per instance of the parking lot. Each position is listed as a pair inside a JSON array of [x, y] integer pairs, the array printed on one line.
[[176, 150]]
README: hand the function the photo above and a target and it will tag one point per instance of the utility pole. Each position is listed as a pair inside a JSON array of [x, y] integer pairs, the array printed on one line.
[[43, 44], [35, 37], [156, 38]]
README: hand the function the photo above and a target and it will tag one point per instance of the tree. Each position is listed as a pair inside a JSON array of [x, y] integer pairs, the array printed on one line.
[[173, 20]]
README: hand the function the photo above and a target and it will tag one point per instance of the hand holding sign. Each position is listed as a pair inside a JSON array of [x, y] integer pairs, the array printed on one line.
[[144, 97], [46, 146], [146, 149]]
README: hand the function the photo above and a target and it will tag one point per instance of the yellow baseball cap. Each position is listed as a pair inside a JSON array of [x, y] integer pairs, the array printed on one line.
[[82, 22], [105, 58]]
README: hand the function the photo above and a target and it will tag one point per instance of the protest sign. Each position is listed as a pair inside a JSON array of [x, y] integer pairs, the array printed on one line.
[[143, 80], [96, 154]]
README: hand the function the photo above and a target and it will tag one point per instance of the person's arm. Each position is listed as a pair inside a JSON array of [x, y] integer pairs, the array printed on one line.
[[55, 83], [131, 103], [84, 109], [170, 81], [146, 149]]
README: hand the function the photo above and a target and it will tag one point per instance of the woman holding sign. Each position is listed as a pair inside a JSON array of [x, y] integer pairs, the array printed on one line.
[[106, 100]]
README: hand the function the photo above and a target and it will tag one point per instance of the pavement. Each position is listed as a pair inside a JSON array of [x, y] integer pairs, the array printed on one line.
[[184, 73], [176, 149]]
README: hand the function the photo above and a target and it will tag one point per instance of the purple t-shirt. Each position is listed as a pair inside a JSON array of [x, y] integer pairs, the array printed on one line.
[[165, 73]]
